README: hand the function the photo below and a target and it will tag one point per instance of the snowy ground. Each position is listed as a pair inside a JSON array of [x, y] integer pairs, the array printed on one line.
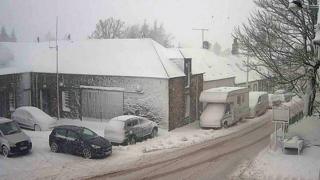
[[41, 163], [271, 164]]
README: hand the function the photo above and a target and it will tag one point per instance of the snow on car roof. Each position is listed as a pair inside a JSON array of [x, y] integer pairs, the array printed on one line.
[[4, 120], [124, 117], [146, 58]]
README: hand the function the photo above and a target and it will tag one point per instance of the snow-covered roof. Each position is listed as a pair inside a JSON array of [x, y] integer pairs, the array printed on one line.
[[237, 65], [176, 55], [114, 57], [203, 61], [217, 67], [124, 117]]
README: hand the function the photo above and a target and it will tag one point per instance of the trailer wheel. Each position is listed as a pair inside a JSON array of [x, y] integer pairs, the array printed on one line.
[[225, 124]]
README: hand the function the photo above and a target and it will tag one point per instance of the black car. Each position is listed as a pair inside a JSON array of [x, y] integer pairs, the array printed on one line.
[[79, 140]]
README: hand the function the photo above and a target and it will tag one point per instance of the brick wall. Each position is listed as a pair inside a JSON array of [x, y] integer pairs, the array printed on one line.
[[177, 100]]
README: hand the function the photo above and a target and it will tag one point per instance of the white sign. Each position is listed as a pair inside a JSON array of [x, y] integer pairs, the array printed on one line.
[[281, 114]]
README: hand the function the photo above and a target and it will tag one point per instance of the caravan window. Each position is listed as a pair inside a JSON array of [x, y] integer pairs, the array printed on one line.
[[259, 100], [227, 111], [238, 99]]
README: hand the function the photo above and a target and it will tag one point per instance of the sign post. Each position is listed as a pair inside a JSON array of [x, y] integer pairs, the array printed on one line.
[[281, 115]]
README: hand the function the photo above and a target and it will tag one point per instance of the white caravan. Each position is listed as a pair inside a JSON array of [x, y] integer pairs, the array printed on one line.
[[258, 103], [224, 106]]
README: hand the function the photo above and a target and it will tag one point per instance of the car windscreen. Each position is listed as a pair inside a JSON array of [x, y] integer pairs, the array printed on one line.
[[88, 134], [9, 128]]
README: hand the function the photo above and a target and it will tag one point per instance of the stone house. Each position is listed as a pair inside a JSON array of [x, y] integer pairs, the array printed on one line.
[[100, 79]]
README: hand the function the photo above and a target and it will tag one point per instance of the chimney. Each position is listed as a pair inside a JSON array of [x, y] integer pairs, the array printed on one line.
[[235, 47], [69, 37]]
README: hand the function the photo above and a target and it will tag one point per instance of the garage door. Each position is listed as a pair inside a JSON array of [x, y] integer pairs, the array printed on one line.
[[101, 104]]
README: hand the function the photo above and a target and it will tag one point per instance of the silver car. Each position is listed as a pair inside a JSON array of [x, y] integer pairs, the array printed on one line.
[[12, 139], [128, 129]]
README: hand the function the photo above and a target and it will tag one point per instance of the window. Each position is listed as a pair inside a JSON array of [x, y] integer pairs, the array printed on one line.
[[72, 135], [238, 99], [132, 123], [65, 101], [242, 99], [259, 100], [227, 111], [88, 134], [61, 133]]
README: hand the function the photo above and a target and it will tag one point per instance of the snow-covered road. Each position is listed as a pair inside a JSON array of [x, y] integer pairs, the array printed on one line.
[[214, 159]]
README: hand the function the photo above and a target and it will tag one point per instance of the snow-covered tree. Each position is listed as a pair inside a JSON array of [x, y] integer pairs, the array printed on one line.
[[4, 37], [13, 37], [281, 40]]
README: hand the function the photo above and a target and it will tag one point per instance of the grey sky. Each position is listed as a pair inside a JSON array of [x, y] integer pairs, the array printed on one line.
[[32, 18]]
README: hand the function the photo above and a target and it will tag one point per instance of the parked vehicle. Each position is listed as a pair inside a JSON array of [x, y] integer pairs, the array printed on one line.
[[274, 100], [79, 140], [224, 106], [12, 139], [127, 129], [258, 103], [33, 118], [284, 95], [291, 111]]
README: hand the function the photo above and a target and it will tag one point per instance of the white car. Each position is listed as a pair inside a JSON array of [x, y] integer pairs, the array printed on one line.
[[33, 118], [128, 129]]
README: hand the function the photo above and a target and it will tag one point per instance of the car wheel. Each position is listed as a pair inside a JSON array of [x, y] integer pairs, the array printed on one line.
[[225, 124], [86, 153], [54, 147], [37, 127], [132, 140], [154, 132], [5, 151]]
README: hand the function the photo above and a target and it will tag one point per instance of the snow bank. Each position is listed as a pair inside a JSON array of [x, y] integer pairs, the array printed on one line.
[[277, 165]]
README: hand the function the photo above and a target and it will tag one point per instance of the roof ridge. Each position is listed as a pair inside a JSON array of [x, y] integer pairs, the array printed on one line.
[[155, 49]]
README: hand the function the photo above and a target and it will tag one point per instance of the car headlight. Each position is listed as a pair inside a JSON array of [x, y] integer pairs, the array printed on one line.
[[95, 146]]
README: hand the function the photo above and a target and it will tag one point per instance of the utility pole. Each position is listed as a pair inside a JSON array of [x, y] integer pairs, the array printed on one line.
[[202, 33], [57, 70]]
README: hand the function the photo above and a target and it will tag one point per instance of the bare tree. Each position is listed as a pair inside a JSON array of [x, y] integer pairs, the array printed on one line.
[[110, 28], [281, 41], [114, 28]]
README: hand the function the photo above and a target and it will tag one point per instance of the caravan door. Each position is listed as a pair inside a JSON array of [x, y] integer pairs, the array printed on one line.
[[228, 116]]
